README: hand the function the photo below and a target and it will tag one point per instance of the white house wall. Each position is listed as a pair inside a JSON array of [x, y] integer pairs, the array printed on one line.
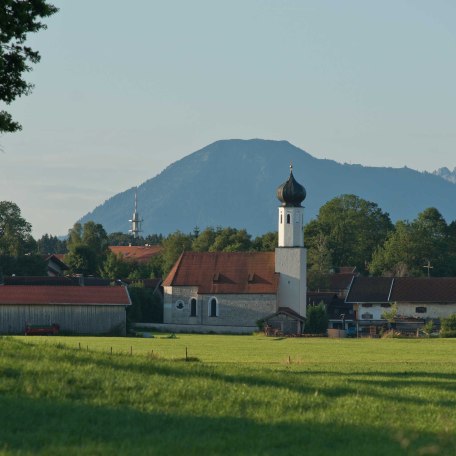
[[432, 310], [375, 310]]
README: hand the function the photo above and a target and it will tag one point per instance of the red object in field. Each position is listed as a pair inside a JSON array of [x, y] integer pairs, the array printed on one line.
[[42, 330]]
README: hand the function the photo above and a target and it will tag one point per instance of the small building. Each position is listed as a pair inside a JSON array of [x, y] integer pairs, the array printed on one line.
[[235, 291], [418, 299], [80, 310], [56, 267]]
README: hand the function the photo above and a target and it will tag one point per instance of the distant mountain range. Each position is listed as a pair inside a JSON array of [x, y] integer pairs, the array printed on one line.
[[233, 183], [447, 174]]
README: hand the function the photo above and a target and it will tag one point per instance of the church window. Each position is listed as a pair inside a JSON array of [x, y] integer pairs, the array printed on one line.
[[288, 219], [192, 307], [213, 310], [180, 304]]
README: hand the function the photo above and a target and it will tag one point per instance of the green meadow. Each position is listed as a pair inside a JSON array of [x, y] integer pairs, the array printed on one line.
[[242, 395]]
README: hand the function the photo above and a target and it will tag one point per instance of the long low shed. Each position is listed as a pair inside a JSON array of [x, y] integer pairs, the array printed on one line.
[[76, 309]]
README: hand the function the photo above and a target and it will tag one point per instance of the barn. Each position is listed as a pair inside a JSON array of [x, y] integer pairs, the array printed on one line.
[[76, 309]]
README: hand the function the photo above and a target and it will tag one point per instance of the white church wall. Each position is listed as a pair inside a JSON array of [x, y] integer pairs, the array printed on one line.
[[232, 309]]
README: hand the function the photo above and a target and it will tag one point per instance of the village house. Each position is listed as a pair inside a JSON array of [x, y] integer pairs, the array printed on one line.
[[234, 291], [418, 299]]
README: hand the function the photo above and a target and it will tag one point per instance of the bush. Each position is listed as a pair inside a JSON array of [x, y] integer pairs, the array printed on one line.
[[317, 320], [448, 326]]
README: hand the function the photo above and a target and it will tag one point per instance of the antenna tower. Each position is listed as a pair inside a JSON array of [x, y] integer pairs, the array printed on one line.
[[136, 220]]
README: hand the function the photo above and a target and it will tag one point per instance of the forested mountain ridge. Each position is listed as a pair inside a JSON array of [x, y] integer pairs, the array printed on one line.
[[233, 183]]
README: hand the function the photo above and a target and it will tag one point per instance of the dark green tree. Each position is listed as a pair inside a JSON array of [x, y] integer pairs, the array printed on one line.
[[266, 242], [204, 241], [17, 19], [173, 246], [353, 228], [231, 240], [115, 267], [81, 259], [87, 248], [15, 231], [317, 320], [427, 240], [49, 244]]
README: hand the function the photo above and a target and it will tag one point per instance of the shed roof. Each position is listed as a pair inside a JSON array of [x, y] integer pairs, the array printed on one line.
[[63, 295], [225, 272]]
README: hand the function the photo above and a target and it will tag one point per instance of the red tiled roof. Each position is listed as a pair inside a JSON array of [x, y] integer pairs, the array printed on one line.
[[67, 295], [140, 253], [225, 272], [423, 289]]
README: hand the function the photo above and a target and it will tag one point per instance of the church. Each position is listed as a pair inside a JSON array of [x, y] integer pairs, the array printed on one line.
[[236, 292]]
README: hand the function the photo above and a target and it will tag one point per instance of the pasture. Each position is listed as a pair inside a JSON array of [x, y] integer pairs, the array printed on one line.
[[236, 395]]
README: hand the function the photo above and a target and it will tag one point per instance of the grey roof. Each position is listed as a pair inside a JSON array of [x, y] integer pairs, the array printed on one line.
[[402, 289], [369, 289]]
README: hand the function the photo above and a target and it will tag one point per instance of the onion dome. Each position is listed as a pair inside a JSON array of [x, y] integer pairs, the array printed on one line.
[[291, 193]]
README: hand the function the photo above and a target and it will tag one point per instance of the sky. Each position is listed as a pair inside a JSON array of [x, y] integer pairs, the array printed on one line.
[[124, 89]]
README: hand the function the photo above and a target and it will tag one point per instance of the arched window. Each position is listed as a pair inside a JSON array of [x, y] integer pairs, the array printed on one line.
[[212, 308], [192, 307], [288, 218]]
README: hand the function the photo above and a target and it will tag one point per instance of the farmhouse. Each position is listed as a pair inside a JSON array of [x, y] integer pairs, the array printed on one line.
[[76, 309], [418, 299], [232, 291]]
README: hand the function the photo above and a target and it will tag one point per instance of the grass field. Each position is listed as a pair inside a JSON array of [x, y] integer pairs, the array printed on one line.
[[238, 395]]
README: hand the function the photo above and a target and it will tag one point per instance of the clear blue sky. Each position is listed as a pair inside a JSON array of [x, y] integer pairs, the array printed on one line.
[[126, 88]]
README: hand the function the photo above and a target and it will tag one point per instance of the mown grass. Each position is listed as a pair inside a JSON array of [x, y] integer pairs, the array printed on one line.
[[242, 395]]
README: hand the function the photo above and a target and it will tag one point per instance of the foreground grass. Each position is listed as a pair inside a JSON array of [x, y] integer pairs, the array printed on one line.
[[244, 395]]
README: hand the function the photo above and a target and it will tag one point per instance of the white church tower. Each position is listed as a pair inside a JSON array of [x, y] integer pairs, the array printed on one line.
[[291, 256]]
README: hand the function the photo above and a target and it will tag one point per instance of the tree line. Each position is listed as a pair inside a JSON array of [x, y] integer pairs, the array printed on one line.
[[348, 231]]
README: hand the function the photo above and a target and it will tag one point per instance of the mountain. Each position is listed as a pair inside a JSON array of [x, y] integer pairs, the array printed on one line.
[[233, 183], [446, 174]]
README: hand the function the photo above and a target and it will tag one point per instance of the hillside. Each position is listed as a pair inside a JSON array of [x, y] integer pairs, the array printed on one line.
[[233, 183]]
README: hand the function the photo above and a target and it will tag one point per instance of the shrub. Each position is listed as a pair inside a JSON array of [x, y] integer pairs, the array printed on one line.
[[317, 319], [448, 326]]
